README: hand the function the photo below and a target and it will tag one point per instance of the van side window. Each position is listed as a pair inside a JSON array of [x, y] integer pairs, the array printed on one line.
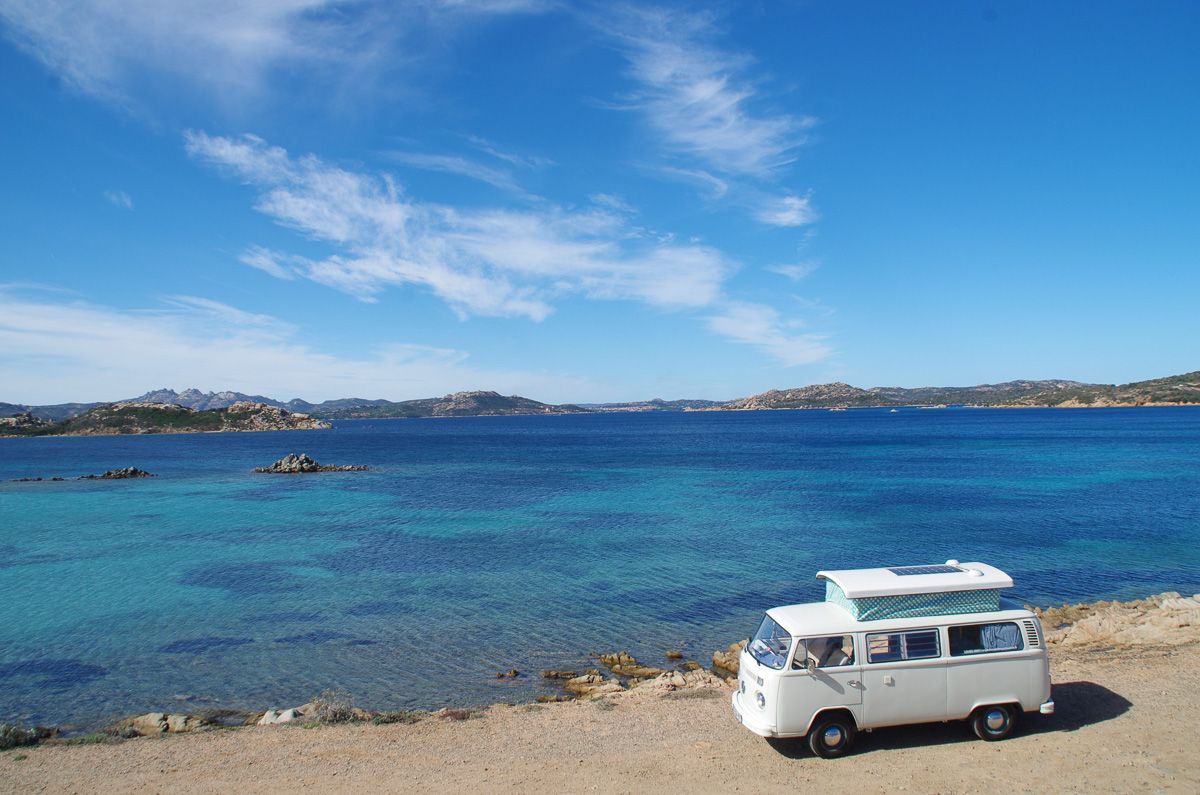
[[985, 638], [891, 646], [829, 652]]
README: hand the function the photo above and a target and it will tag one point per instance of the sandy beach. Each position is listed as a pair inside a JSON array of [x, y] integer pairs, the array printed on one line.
[[1127, 720]]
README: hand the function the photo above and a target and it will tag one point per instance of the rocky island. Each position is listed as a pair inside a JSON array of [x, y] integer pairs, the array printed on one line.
[[293, 464], [143, 417]]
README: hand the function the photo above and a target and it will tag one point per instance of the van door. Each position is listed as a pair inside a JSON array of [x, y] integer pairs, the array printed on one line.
[[835, 681], [904, 678]]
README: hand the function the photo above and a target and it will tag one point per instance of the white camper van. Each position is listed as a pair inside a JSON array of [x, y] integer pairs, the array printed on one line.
[[894, 646]]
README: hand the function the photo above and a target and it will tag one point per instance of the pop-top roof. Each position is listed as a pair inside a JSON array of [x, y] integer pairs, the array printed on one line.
[[900, 580]]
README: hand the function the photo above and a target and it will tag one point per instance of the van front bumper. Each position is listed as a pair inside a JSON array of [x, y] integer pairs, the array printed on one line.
[[1047, 707], [748, 719]]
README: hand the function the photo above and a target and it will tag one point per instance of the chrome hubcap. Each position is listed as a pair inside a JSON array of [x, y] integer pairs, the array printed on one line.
[[995, 719], [833, 736]]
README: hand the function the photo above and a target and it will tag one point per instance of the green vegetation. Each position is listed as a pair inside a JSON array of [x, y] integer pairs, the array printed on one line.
[[134, 418], [12, 736]]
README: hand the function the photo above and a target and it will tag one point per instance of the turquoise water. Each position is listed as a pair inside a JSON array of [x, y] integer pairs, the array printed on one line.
[[481, 544]]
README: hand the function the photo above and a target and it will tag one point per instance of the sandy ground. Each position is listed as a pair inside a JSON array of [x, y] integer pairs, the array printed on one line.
[[1127, 721]]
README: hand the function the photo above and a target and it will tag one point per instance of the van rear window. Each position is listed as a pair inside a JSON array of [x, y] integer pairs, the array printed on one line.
[[915, 645], [985, 638]]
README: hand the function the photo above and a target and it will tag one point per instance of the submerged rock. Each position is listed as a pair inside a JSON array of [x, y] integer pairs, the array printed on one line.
[[552, 674], [511, 673], [293, 464]]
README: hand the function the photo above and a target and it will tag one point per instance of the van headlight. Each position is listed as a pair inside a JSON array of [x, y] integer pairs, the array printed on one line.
[[761, 700]]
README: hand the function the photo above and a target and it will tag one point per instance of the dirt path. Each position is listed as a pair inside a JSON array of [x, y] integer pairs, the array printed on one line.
[[1126, 722]]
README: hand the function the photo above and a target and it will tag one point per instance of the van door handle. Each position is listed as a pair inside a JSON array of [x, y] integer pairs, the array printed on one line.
[[854, 683]]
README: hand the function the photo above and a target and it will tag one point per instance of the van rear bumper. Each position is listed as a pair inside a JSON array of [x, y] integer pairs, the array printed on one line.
[[1047, 707], [749, 719]]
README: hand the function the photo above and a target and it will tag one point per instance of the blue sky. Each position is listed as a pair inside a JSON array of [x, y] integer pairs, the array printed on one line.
[[582, 202]]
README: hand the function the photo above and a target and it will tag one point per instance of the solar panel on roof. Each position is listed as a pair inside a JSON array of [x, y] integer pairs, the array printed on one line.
[[905, 571]]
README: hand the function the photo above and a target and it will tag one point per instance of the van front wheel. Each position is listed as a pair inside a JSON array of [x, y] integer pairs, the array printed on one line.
[[994, 722], [831, 737]]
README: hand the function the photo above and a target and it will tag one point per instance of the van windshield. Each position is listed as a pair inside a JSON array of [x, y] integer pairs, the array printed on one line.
[[771, 644]]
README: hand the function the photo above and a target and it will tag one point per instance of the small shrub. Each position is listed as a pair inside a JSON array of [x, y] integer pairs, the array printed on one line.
[[14, 736], [452, 713], [94, 738], [20, 758], [400, 716], [333, 706]]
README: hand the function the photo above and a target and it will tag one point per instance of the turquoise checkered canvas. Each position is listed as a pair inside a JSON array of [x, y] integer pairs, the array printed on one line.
[[873, 608]]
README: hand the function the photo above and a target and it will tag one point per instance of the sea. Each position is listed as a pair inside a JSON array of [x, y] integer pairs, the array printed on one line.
[[478, 545]]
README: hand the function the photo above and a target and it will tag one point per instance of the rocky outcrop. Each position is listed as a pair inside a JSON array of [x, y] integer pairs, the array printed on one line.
[[293, 464], [672, 681], [726, 661], [1167, 619], [623, 663], [23, 424], [153, 723], [119, 474], [553, 674], [593, 685]]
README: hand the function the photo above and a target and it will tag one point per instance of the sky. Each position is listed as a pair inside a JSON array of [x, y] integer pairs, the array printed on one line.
[[583, 202]]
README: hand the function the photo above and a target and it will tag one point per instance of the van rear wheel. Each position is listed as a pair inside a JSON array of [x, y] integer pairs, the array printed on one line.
[[994, 722], [831, 737]]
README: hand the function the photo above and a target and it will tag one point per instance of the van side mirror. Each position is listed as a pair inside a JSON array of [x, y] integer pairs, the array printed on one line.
[[810, 665]]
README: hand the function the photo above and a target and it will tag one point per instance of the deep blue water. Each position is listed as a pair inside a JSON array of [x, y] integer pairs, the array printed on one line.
[[480, 544]]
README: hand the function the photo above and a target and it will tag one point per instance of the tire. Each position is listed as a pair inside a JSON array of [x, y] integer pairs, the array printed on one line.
[[994, 722], [832, 736]]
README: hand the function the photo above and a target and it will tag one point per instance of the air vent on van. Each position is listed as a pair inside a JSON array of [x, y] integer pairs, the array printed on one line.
[[1031, 633]]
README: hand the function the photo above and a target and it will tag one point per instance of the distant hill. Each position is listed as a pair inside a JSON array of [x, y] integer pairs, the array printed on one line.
[[833, 395], [55, 413], [980, 395], [1170, 391], [143, 417], [657, 404], [1173, 390], [458, 404]]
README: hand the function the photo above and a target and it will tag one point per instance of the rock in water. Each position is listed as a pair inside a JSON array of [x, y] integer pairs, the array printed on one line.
[[120, 474], [728, 660], [293, 464], [625, 664]]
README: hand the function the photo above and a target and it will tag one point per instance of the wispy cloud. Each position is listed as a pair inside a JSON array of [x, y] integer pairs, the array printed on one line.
[[119, 198], [232, 49], [715, 186], [763, 326], [453, 164], [98, 47], [523, 161], [795, 271], [786, 211], [487, 262], [694, 93], [57, 350]]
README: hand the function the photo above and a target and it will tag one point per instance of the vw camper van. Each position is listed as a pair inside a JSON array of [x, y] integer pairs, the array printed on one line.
[[894, 646]]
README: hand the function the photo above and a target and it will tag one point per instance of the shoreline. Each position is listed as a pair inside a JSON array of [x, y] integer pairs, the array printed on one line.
[[1161, 620], [1118, 669]]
